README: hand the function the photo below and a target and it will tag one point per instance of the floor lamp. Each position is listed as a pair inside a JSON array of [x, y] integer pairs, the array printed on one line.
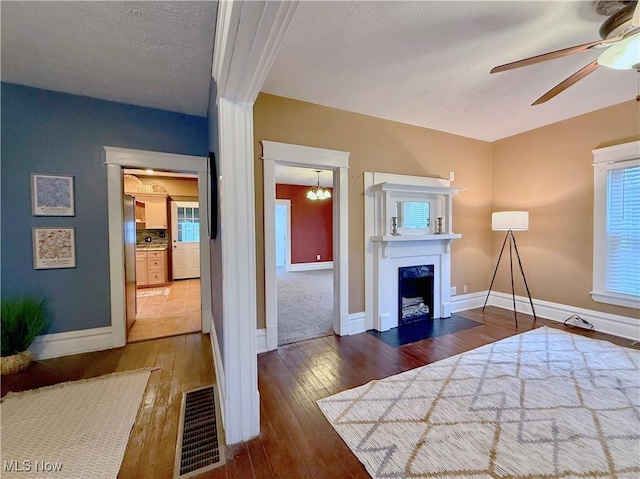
[[511, 221]]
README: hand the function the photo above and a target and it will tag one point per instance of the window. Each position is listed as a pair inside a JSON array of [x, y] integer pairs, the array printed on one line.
[[188, 224], [616, 255]]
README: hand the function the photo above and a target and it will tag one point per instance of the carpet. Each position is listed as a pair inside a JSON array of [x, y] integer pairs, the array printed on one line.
[[428, 328], [543, 404], [152, 292], [305, 305], [70, 430]]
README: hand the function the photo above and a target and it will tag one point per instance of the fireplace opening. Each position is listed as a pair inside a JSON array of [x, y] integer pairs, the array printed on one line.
[[415, 294]]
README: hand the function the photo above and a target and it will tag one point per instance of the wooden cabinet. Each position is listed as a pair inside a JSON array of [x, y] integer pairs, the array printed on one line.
[[151, 212], [151, 268], [141, 268]]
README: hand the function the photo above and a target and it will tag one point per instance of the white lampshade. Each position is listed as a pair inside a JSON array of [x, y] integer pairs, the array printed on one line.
[[510, 220], [623, 55]]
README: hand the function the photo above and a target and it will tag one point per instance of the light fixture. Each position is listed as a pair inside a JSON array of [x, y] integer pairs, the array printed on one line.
[[511, 221], [317, 192], [623, 55]]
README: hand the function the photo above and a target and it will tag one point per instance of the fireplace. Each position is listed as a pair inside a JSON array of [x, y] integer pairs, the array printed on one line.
[[415, 293]]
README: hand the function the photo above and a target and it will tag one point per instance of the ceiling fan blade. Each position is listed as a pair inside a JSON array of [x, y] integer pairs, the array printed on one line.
[[548, 56], [635, 21], [563, 85]]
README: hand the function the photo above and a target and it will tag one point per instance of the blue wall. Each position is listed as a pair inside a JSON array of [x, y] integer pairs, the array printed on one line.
[[48, 132]]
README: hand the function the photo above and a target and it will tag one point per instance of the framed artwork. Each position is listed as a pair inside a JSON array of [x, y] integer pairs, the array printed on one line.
[[54, 248], [52, 195]]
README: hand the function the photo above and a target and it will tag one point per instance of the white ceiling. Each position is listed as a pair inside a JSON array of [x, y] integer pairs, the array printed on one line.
[[154, 54], [424, 62], [427, 63], [292, 175]]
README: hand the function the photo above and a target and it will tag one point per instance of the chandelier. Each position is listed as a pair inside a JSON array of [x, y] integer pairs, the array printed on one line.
[[317, 192]]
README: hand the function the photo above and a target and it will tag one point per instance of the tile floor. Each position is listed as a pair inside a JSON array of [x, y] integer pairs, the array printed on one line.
[[162, 315]]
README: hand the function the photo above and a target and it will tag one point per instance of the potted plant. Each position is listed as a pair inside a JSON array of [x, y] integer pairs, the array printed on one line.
[[23, 318]]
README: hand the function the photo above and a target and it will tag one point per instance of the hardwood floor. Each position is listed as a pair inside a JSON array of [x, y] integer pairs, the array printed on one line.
[[295, 441], [185, 363]]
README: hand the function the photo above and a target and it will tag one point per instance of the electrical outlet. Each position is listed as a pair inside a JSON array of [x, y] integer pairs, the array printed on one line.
[[317, 256], [162, 234], [464, 289], [147, 239], [453, 291]]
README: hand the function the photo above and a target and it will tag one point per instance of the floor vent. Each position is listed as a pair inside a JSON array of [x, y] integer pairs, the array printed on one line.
[[198, 448]]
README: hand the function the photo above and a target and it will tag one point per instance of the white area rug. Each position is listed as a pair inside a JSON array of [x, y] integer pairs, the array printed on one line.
[[145, 293], [305, 305], [540, 405], [71, 430]]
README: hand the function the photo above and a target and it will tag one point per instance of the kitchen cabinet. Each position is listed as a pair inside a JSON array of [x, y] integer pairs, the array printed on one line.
[[151, 268], [151, 212]]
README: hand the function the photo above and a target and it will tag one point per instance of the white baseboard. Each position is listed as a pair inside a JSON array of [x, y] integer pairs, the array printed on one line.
[[219, 370], [356, 323], [261, 341], [312, 266], [614, 324], [463, 302], [72, 342]]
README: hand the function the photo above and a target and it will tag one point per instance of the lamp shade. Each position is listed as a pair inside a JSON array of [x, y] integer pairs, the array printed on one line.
[[510, 220]]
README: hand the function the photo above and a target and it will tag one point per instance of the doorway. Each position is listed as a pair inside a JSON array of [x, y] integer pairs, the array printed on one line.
[[275, 154], [117, 159]]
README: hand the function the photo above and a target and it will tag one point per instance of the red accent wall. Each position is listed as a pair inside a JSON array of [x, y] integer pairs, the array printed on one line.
[[311, 224]]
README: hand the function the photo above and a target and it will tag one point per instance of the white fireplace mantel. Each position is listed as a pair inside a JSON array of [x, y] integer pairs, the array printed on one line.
[[386, 253]]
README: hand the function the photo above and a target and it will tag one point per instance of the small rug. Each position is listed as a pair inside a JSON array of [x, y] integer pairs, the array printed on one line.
[[428, 328], [70, 430], [152, 292], [543, 404]]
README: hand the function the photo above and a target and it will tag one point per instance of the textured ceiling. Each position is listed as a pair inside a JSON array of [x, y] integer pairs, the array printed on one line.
[[154, 54], [292, 175], [427, 63]]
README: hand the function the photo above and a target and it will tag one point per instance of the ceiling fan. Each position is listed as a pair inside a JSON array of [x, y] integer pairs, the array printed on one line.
[[620, 35]]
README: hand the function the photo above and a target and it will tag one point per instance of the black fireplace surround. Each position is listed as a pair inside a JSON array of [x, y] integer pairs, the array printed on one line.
[[415, 294]]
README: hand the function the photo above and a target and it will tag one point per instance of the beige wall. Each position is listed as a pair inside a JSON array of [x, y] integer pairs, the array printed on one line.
[[389, 147], [185, 189], [548, 172]]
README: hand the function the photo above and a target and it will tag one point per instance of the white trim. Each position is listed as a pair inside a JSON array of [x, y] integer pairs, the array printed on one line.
[[219, 368], [116, 159], [287, 205], [614, 324], [237, 220], [311, 157], [312, 266], [606, 159], [72, 342], [261, 340], [248, 36], [356, 323], [463, 302]]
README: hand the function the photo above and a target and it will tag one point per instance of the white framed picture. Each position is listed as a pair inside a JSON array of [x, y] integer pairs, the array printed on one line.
[[52, 195], [54, 248]]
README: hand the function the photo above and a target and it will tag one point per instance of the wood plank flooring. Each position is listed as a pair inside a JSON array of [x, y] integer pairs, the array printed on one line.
[[295, 441]]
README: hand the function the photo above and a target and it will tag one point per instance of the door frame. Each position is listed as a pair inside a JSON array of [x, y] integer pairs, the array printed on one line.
[[275, 153], [116, 159], [287, 246]]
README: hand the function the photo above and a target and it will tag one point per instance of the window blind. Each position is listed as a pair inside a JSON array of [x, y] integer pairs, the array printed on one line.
[[415, 215], [623, 231]]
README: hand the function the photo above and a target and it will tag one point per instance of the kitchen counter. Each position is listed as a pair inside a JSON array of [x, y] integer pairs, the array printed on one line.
[[154, 247]]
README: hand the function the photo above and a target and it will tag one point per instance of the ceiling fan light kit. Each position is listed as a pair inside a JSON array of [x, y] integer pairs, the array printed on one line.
[[622, 48]]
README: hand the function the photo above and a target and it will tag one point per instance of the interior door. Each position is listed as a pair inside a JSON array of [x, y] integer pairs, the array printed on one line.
[[185, 234], [129, 215]]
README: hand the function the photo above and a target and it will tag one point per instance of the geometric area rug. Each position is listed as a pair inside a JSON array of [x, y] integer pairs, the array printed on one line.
[[543, 404], [74, 429]]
